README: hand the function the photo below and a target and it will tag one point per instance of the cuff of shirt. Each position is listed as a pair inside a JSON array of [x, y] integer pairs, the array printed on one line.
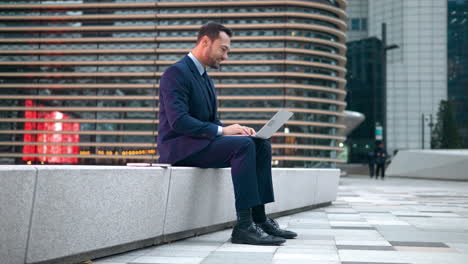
[[220, 131]]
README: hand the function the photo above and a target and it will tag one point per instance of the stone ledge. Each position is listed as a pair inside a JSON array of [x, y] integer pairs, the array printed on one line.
[[16, 204], [430, 164], [66, 214]]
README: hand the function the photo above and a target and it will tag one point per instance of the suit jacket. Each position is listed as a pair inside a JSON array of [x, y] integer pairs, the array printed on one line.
[[380, 155], [187, 113]]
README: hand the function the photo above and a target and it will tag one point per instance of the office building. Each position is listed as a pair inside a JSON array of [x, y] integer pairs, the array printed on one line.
[[416, 71], [457, 57], [364, 84], [79, 79], [358, 19]]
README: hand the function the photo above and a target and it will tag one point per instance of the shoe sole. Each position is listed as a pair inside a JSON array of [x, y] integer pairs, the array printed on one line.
[[285, 236], [289, 237], [234, 241]]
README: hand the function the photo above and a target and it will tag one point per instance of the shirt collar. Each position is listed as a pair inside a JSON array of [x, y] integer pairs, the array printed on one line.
[[199, 66]]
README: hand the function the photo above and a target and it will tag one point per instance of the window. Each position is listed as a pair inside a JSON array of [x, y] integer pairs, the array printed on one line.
[[355, 24]]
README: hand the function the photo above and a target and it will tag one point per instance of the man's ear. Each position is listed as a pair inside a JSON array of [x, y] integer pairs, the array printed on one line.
[[205, 41]]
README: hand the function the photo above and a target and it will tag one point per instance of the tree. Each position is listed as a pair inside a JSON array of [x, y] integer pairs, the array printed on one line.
[[445, 133]]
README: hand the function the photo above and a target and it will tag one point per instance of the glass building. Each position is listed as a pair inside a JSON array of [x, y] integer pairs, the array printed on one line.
[[416, 72], [457, 56], [79, 79], [365, 95]]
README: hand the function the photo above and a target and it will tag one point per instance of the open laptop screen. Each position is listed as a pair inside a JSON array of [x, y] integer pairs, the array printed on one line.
[[273, 124]]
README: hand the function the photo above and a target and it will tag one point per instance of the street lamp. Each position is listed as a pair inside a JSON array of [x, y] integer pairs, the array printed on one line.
[[384, 80], [423, 123], [390, 47], [431, 124]]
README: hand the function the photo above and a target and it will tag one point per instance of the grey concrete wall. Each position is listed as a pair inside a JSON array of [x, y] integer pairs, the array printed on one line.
[[16, 203], [430, 164], [53, 214], [294, 188], [84, 208], [199, 198], [327, 186]]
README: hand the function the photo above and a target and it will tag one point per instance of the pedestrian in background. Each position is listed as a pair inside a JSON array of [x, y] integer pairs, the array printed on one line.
[[380, 154]]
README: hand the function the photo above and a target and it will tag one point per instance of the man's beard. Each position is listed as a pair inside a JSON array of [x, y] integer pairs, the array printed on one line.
[[214, 64]]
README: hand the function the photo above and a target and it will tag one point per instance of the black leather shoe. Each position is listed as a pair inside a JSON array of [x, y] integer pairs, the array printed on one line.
[[271, 227], [254, 235]]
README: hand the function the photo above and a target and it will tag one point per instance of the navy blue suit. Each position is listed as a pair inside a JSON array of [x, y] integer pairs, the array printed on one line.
[[187, 135]]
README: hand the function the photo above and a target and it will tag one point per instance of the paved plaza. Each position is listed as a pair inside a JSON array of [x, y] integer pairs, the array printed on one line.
[[373, 221]]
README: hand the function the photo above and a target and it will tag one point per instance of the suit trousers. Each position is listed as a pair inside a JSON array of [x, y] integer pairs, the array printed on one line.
[[380, 170], [371, 169], [250, 162]]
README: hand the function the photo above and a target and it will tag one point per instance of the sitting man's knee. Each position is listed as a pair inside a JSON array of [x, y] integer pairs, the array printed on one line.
[[246, 143], [264, 144]]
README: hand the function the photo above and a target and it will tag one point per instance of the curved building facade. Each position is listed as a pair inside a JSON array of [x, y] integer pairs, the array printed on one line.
[[79, 79]]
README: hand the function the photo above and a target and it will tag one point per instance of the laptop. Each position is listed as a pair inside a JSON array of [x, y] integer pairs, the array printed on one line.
[[273, 124]]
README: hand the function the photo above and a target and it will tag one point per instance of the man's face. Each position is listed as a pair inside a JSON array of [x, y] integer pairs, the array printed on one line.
[[217, 50]]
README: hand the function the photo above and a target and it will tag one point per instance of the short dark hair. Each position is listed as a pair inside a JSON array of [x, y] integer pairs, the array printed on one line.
[[212, 30]]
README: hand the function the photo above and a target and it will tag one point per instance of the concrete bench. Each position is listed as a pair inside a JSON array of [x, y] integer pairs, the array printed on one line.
[[66, 214], [430, 164]]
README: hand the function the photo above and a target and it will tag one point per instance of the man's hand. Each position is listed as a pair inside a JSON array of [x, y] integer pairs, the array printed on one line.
[[237, 129]]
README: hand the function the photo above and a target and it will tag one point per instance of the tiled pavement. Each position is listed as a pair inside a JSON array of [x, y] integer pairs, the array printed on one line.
[[372, 221]]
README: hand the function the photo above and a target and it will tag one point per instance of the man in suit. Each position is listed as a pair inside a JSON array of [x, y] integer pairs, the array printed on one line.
[[190, 134], [381, 155]]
